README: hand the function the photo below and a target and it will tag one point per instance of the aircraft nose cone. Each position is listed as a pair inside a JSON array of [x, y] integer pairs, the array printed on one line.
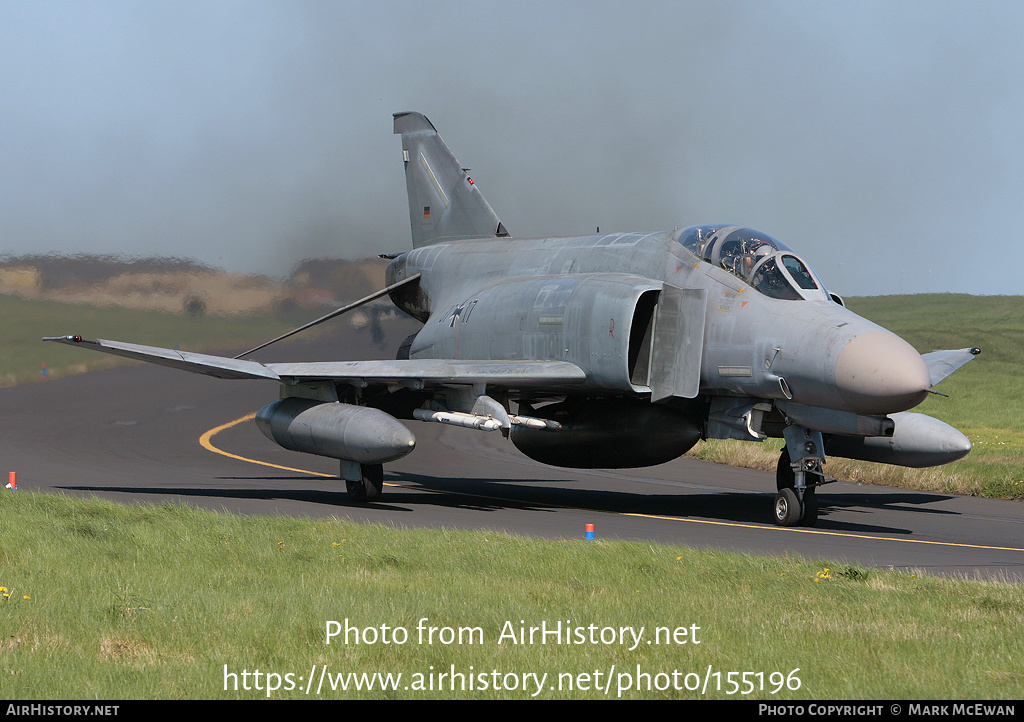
[[880, 373]]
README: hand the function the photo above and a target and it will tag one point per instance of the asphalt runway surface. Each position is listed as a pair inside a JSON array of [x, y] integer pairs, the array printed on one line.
[[133, 435]]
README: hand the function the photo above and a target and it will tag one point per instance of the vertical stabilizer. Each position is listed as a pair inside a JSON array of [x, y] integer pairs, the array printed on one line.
[[444, 204]]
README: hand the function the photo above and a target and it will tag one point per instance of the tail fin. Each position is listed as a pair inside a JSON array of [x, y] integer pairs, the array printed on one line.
[[444, 204]]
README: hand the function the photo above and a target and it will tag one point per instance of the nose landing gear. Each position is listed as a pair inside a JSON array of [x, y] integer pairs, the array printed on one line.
[[796, 503]]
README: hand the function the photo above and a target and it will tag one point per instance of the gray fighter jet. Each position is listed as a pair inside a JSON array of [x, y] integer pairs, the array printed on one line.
[[602, 351]]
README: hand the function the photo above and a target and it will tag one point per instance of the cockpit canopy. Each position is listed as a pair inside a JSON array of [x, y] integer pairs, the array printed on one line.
[[764, 262]]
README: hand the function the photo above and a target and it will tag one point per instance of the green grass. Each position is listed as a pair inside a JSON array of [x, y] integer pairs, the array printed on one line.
[[23, 354], [153, 602]]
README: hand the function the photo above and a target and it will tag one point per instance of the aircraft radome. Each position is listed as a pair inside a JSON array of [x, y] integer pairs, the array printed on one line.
[[601, 351]]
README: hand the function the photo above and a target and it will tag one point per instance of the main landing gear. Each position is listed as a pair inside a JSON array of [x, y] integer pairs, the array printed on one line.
[[369, 486], [796, 503]]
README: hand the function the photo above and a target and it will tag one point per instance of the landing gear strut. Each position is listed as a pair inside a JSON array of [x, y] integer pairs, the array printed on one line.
[[371, 484]]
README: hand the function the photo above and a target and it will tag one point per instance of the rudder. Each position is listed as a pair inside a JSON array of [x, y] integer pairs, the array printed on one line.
[[444, 203]]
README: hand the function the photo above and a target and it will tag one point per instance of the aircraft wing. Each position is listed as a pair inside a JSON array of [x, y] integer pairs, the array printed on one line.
[[942, 363], [415, 373]]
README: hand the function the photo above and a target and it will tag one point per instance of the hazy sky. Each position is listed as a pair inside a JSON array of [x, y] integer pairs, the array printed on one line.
[[881, 140]]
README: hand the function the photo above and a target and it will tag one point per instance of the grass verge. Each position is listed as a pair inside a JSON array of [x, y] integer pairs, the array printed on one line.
[[158, 602]]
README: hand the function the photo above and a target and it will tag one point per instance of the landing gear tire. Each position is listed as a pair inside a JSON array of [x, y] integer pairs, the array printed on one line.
[[788, 509], [370, 487]]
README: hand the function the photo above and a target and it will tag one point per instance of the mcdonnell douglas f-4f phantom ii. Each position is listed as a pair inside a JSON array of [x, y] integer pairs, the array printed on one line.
[[602, 351]]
